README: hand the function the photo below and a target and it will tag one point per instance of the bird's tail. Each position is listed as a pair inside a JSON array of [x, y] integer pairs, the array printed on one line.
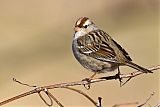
[[137, 67]]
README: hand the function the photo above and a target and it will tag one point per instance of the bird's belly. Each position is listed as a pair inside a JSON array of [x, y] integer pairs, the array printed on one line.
[[95, 65]]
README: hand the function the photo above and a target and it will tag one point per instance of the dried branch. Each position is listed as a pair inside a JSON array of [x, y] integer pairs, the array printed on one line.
[[125, 104], [135, 103], [141, 105], [55, 99], [85, 95], [51, 101], [66, 85], [97, 104], [157, 105]]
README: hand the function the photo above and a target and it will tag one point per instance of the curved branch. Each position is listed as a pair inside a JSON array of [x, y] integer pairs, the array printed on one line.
[[63, 85], [84, 94]]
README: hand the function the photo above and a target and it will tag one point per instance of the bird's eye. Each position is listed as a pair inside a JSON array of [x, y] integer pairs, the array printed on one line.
[[85, 26]]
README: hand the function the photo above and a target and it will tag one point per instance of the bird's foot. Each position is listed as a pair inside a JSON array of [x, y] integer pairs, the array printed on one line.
[[88, 85], [119, 77]]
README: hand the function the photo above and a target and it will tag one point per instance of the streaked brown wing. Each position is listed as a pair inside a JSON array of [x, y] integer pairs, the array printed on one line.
[[115, 46], [96, 47], [122, 50]]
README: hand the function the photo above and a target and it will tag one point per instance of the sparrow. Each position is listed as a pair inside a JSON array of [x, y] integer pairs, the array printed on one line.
[[96, 51]]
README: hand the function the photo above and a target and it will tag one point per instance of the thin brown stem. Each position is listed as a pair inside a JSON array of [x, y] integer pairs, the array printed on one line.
[[67, 84], [84, 94], [125, 104], [51, 101], [55, 99], [141, 105]]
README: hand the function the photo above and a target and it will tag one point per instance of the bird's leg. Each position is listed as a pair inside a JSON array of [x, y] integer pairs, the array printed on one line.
[[120, 79], [89, 80], [93, 75]]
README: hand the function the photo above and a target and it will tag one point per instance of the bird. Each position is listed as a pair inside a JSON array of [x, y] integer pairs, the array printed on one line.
[[96, 51]]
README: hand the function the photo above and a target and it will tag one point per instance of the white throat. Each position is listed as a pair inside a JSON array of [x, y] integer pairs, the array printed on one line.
[[79, 34], [83, 32]]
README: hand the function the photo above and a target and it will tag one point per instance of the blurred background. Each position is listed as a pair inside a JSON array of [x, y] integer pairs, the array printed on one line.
[[35, 48]]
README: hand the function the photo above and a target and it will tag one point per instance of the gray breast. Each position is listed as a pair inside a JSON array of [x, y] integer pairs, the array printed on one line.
[[74, 49]]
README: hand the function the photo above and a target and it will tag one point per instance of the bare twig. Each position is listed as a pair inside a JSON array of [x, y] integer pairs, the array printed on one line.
[[55, 99], [146, 100], [84, 94], [125, 104], [14, 79], [135, 103], [157, 105], [64, 85], [51, 101], [99, 102]]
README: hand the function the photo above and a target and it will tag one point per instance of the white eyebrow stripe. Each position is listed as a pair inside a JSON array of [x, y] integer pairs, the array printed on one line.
[[87, 22], [78, 22]]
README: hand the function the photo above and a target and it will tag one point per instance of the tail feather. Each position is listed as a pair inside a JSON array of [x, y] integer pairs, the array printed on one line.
[[137, 67]]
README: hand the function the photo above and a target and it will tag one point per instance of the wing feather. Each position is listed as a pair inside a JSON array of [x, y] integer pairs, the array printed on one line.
[[97, 49], [101, 47]]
